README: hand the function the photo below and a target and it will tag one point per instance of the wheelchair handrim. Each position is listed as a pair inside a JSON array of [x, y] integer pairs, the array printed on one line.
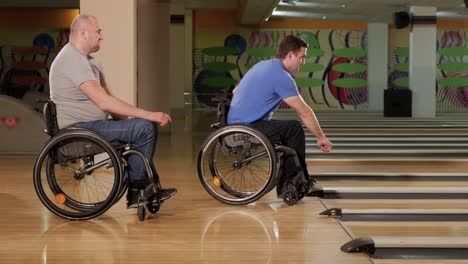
[[272, 165], [94, 211]]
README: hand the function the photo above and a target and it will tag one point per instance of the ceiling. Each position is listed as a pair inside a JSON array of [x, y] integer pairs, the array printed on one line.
[[257, 11], [365, 10], [41, 3]]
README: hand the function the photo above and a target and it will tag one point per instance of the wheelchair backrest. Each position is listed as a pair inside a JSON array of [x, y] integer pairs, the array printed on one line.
[[222, 111], [50, 118]]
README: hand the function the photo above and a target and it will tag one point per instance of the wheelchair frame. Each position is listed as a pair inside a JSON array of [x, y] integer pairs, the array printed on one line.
[[81, 147], [218, 180]]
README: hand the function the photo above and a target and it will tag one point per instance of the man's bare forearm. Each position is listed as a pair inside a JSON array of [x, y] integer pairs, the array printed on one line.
[[120, 108], [311, 122]]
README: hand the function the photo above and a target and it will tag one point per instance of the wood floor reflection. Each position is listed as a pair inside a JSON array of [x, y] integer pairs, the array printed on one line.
[[191, 227]]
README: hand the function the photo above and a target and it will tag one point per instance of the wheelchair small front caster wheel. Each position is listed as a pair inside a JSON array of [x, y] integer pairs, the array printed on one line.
[[153, 208], [141, 212], [291, 196]]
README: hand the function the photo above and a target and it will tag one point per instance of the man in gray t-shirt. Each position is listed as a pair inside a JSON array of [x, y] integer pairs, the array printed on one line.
[[79, 89], [69, 70]]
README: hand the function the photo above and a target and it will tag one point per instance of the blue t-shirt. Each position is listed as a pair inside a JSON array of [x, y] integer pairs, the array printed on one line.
[[260, 92]]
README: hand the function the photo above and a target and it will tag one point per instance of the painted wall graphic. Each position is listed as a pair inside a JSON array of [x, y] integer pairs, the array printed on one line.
[[25, 59], [21, 128], [452, 69], [452, 81], [335, 74], [333, 77], [399, 75], [30, 40]]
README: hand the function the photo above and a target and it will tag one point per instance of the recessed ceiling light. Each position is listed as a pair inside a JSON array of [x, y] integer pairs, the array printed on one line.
[[343, 5], [289, 2], [324, 17]]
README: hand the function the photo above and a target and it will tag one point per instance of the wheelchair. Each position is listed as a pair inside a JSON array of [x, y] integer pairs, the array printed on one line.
[[238, 164], [78, 175]]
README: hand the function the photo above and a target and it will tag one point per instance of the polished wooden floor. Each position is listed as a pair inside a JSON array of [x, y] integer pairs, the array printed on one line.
[[192, 227]]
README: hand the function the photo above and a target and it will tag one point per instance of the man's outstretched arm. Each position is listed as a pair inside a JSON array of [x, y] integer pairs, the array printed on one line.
[[113, 105], [307, 116]]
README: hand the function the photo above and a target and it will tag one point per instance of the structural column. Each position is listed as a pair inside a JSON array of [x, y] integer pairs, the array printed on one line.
[[188, 66], [377, 64], [177, 59], [153, 55], [422, 67], [117, 19]]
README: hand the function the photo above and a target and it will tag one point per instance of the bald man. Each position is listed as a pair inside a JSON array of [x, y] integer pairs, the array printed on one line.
[[79, 89]]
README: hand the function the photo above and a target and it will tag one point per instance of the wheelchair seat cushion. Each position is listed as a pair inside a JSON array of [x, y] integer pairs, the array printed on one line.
[[78, 149], [238, 140]]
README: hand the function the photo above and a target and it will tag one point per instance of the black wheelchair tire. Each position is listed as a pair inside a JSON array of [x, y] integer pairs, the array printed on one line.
[[45, 154], [243, 199]]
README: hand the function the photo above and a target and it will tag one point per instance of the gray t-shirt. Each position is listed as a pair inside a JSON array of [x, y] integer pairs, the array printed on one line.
[[68, 71]]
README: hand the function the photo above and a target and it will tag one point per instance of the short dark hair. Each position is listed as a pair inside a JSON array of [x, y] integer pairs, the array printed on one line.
[[290, 43]]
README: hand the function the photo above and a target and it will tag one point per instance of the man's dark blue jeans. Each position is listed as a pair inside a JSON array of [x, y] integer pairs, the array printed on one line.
[[141, 134]]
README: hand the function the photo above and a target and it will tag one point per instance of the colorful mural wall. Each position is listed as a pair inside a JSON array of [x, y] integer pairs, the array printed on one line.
[[334, 76], [31, 37], [25, 62], [452, 84], [452, 68]]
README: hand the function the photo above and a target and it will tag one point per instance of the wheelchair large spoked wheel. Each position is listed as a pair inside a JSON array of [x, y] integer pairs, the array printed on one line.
[[237, 165], [78, 175]]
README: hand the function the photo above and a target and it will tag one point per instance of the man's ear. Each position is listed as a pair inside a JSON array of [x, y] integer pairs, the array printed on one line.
[[84, 34], [290, 55]]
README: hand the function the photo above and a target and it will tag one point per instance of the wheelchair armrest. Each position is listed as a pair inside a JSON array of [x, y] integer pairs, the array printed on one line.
[[216, 125]]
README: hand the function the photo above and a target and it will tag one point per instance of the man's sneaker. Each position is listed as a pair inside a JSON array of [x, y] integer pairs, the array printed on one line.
[[161, 195], [164, 194], [132, 198], [312, 182], [312, 187]]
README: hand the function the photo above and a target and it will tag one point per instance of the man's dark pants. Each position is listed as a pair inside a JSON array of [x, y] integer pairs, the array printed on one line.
[[288, 133]]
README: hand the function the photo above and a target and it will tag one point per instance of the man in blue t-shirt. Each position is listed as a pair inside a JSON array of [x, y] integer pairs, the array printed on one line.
[[263, 88]]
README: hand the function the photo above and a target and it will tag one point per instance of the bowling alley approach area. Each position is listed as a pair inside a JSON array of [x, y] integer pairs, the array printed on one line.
[[234, 131], [383, 200], [397, 186]]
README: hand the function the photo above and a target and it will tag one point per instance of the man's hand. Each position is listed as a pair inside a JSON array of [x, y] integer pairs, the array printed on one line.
[[324, 144], [160, 117]]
